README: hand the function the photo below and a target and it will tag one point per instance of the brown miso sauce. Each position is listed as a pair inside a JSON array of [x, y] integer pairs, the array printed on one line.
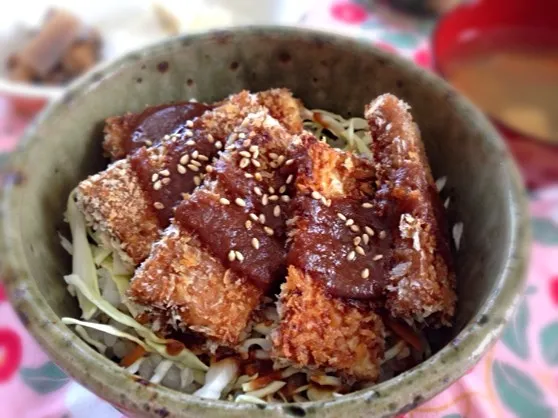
[[513, 76], [151, 125]]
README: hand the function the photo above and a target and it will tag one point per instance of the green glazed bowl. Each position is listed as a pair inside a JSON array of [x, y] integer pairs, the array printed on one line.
[[326, 71]]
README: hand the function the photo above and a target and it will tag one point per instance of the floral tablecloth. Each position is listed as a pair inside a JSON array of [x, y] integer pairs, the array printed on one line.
[[518, 377]]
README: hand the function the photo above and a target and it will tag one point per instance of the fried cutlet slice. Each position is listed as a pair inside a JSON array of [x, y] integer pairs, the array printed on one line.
[[226, 246], [126, 133], [319, 327], [132, 201], [421, 281]]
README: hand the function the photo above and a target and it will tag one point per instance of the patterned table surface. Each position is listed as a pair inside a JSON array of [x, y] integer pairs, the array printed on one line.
[[518, 376]]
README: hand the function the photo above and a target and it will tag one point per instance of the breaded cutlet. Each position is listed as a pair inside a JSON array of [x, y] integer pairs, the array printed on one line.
[[226, 246], [125, 133], [132, 201], [319, 327], [421, 280]]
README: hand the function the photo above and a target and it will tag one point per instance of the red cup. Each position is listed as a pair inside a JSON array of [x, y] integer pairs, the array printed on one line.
[[538, 159]]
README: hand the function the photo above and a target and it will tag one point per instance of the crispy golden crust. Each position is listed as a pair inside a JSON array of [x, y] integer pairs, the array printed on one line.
[[280, 102], [331, 172], [317, 330], [422, 280], [101, 198], [183, 278], [185, 275]]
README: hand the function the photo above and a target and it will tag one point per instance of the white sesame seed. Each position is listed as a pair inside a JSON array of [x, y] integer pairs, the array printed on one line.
[[166, 137], [195, 154], [255, 243], [280, 160], [365, 273], [254, 217], [262, 218], [359, 250], [369, 231], [382, 234], [285, 198], [351, 256], [210, 138], [148, 142], [164, 172], [165, 181], [365, 239], [193, 167], [273, 155], [273, 164], [245, 154], [356, 240], [202, 158], [264, 200], [158, 205], [240, 202], [271, 190], [248, 224], [231, 255], [218, 145], [189, 133], [316, 195], [197, 180], [154, 177], [244, 163], [254, 148], [277, 211], [185, 196], [246, 143], [355, 228], [341, 216], [256, 153], [232, 137], [367, 205], [184, 159], [268, 230], [289, 162], [190, 142], [256, 163], [248, 175], [258, 176], [257, 190], [209, 168], [289, 179], [349, 222], [242, 135], [196, 163], [230, 147], [282, 189], [189, 123], [157, 185], [224, 201], [239, 256], [377, 257], [273, 198]]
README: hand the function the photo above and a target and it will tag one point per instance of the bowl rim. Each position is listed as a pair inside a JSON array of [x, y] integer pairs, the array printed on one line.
[[395, 395]]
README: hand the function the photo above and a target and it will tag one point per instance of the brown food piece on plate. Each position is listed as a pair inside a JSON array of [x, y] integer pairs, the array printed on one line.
[[421, 281], [131, 210], [226, 246]]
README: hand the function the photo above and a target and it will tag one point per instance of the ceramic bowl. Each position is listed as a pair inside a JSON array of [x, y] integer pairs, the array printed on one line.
[[326, 71]]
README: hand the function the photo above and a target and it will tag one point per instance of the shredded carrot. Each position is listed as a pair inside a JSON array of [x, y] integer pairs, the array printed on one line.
[[133, 356], [405, 332]]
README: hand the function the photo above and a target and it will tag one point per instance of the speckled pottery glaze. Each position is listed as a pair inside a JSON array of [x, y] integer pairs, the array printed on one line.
[[327, 71]]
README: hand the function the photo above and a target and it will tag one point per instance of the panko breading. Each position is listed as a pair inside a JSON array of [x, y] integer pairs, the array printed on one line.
[[225, 248], [421, 281], [111, 201], [318, 329]]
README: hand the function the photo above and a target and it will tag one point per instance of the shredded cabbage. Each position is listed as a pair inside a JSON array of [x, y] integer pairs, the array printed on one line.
[[186, 357], [82, 260], [218, 376], [102, 348], [266, 390], [161, 371], [249, 399]]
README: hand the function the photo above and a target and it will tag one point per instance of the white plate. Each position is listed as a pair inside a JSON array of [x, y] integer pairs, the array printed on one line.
[[130, 24]]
